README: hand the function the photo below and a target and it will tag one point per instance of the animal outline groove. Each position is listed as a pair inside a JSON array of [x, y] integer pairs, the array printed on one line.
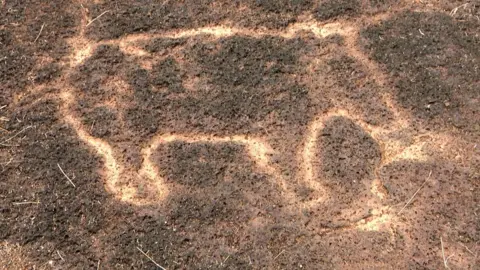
[[257, 148]]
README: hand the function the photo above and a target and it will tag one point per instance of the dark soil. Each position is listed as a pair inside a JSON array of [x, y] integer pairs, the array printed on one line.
[[350, 154], [331, 9], [437, 75], [126, 17], [395, 166]]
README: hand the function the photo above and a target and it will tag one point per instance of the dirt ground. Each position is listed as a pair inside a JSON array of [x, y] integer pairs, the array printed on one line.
[[256, 134]]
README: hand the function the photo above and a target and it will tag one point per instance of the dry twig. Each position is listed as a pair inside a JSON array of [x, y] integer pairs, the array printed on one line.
[[150, 258], [15, 135], [409, 201], [96, 18], [60, 255], [454, 11], [279, 254], [68, 178], [39, 33], [22, 203], [471, 252], [224, 261], [443, 255]]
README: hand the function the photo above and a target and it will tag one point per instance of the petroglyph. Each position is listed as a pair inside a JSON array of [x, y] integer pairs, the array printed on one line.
[[257, 148]]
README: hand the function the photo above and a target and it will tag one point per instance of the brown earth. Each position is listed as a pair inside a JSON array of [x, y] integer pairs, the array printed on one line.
[[239, 134]]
